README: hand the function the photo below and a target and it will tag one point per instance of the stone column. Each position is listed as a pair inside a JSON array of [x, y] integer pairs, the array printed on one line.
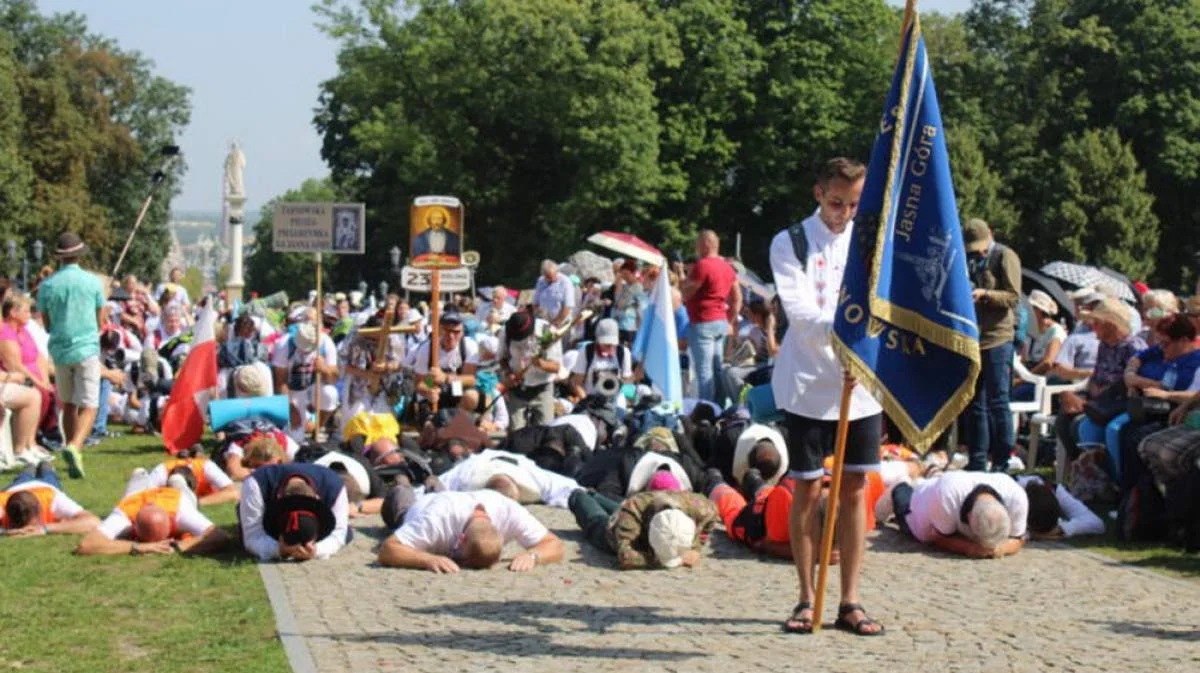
[[234, 221]]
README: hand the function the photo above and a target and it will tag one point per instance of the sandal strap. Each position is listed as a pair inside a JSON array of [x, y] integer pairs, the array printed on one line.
[[801, 607], [847, 608]]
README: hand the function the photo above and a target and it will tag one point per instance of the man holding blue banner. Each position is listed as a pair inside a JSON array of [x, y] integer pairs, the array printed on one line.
[[904, 323], [808, 261]]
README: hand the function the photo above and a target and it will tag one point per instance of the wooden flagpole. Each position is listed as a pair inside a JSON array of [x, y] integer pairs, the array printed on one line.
[[435, 317], [843, 430], [831, 505], [317, 370]]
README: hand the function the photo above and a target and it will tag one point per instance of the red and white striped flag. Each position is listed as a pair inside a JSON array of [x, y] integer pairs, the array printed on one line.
[[195, 385]]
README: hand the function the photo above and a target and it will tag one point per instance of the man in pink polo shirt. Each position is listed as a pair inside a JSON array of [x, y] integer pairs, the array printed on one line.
[[713, 302]]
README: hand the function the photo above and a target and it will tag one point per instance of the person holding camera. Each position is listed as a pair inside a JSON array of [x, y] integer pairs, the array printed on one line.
[[603, 365]]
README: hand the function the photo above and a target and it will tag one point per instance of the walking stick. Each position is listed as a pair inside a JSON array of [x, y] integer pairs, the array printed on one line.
[[831, 507]]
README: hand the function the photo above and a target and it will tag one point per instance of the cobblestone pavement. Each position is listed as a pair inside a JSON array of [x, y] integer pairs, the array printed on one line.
[[1049, 608]]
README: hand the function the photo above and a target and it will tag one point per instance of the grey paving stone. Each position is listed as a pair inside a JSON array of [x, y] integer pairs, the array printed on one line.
[[1048, 608]]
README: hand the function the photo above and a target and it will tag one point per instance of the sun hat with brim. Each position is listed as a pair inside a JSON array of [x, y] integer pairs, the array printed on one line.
[[70, 245], [671, 533], [1042, 301], [300, 519], [1111, 311]]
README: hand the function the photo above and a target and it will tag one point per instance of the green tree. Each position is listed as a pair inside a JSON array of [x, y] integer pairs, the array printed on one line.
[[539, 114], [193, 282], [1103, 215], [87, 119], [979, 189], [268, 271]]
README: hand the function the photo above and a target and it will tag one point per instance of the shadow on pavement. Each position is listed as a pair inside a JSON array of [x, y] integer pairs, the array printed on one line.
[[594, 618], [1163, 631], [509, 644]]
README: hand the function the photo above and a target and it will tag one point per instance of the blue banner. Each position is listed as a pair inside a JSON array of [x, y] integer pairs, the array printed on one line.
[[905, 324]]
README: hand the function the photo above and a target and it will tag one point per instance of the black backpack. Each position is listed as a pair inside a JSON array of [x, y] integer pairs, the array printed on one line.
[[799, 244], [1142, 514]]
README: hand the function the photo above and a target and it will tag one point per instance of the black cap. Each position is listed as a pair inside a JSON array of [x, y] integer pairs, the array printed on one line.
[[301, 519], [450, 318]]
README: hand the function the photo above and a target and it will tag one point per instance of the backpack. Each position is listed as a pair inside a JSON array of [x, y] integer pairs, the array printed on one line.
[[799, 244], [462, 352], [1182, 501], [648, 419], [237, 352], [1142, 514]]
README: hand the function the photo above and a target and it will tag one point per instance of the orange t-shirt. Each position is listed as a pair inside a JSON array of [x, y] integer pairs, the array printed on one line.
[[167, 498], [45, 496]]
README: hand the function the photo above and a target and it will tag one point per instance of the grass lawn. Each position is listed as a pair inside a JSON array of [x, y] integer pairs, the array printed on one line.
[[152, 613], [1170, 560]]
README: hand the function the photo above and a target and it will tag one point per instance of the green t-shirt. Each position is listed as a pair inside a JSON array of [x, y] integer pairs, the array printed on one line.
[[70, 299]]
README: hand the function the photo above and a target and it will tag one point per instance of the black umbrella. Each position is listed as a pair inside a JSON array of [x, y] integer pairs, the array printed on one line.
[[1051, 287]]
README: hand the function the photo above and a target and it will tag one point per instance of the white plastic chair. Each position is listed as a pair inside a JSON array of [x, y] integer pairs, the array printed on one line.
[[6, 439], [1041, 418]]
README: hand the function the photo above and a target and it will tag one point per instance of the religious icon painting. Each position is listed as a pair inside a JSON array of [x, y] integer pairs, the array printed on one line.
[[436, 232]]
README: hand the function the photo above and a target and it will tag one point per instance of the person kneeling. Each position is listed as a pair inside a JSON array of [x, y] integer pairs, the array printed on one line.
[[976, 514], [445, 531], [663, 528], [151, 520]]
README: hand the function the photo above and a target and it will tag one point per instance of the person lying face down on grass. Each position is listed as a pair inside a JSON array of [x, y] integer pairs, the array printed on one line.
[[35, 504], [154, 520], [203, 476], [445, 531]]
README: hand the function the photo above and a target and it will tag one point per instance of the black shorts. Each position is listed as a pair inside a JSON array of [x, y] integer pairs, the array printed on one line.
[[809, 440]]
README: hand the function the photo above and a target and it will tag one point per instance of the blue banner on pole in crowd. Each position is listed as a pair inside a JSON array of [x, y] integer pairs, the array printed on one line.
[[905, 324]]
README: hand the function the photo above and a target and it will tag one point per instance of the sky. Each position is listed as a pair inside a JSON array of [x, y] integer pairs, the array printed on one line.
[[254, 68]]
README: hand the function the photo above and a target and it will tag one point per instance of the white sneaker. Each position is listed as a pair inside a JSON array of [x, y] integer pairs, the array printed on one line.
[[1015, 464], [7, 463], [27, 457], [178, 483], [958, 461], [41, 453]]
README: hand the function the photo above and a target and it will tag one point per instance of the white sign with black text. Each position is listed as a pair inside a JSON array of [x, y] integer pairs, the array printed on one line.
[[457, 279]]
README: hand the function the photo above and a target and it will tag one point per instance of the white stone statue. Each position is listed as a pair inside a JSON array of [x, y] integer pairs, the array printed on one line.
[[234, 163]]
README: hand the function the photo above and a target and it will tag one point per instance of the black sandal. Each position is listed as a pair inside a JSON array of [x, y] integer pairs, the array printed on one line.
[[802, 626], [842, 624]]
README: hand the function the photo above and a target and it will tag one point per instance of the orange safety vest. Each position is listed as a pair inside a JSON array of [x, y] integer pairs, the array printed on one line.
[[166, 498], [196, 464], [45, 496]]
